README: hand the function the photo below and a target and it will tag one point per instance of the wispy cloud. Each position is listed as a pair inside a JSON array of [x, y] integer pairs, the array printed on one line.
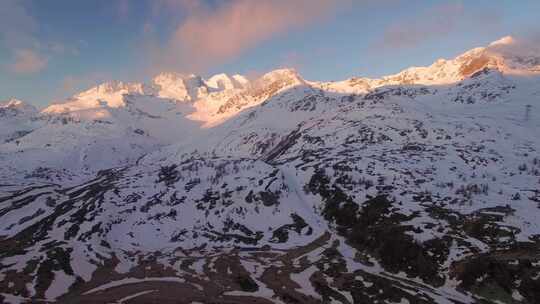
[[213, 35], [27, 61], [436, 23], [19, 35]]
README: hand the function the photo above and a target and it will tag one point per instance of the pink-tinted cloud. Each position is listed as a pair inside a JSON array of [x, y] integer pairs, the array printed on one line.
[[18, 35], [27, 61], [213, 35], [437, 23]]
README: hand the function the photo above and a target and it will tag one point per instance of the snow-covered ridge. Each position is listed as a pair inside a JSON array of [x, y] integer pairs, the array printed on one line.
[[505, 55], [226, 82], [174, 107], [109, 94]]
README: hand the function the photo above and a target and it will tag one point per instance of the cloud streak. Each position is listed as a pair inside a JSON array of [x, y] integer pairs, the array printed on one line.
[[213, 35], [28, 61]]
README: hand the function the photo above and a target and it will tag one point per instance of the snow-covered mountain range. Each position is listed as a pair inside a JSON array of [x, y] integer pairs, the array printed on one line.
[[419, 187]]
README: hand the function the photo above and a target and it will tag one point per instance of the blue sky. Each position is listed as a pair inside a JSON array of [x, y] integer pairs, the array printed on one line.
[[50, 50]]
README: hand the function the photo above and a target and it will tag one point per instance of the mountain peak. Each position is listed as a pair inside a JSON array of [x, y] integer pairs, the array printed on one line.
[[114, 87], [241, 79], [518, 55], [283, 72], [285, 75], [174, 76], [11, 103], [16, 106], [110, 94], [225, 82], [182, 87]]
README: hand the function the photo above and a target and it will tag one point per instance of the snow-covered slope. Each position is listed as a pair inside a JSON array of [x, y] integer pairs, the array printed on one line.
[[421, 187]]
